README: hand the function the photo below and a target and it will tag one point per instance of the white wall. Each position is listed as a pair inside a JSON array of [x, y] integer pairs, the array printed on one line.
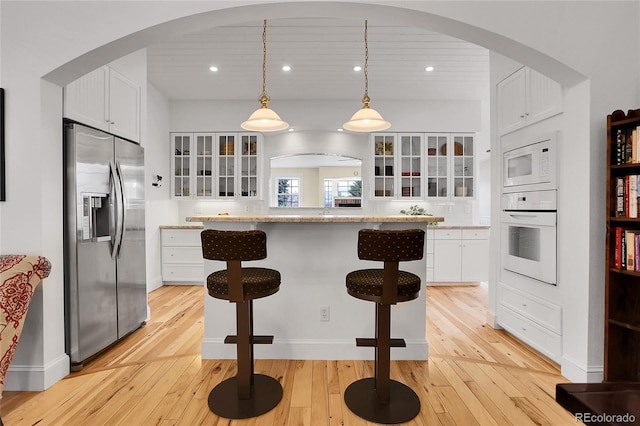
[[160, 210], [573, 42]]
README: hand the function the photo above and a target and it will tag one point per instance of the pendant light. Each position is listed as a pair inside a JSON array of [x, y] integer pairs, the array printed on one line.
[[367, 119], [264, 119]]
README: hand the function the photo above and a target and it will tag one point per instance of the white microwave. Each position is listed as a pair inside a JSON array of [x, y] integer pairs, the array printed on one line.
[[530, 167]]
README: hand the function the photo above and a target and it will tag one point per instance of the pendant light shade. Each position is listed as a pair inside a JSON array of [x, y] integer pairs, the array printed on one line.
[[367, 119], [264, 119]]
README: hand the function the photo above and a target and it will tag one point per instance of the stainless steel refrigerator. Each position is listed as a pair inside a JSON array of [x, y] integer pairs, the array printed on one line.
[[105, 278]]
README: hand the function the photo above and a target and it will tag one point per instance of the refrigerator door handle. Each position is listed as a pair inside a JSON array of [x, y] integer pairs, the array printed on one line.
[[123, 209], [116, 206]]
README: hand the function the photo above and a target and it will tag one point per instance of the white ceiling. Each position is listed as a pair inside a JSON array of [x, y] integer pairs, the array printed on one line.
[[322, 53]]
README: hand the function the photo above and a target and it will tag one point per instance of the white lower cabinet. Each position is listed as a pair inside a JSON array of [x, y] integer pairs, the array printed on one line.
[[461, 255], [535, 321], [182, 255]]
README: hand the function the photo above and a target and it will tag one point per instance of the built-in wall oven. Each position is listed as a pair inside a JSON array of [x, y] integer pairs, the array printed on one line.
[[528, 231]]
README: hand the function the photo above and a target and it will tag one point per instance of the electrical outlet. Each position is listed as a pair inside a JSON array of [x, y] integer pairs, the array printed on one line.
[[324, 313]]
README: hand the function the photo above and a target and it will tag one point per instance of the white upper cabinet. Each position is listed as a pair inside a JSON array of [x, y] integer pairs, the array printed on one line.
[[450, 166], [526, 97], [124, 106], [423, 166], [398, 165], [106, 100], [216, 165]]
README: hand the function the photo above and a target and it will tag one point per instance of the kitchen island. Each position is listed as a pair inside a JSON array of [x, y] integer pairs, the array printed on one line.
[[314, 253]]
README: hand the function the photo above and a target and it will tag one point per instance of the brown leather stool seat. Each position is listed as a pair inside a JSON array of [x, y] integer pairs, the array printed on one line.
[[379, 399], [366, 284], [246, 394], [256, 283]]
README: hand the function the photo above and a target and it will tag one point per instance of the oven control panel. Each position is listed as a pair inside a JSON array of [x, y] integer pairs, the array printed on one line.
[[530, 201]]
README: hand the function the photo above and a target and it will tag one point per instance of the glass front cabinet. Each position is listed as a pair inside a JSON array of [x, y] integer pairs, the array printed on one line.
[[215, 165], [397, 165], [431, 166]]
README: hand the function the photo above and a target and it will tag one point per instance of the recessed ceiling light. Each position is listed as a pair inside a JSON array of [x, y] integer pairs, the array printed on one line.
[[291, 129], [213, 68], [357, 68], [286, 68], [340, 129], [429, 68]]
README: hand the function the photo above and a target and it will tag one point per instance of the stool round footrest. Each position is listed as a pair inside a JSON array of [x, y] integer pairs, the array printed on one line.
[[265, 395], [404, 404]]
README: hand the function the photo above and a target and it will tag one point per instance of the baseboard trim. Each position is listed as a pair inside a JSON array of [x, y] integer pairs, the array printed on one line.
[[580, 373], [36, 377], [314, 350], [154, 284]]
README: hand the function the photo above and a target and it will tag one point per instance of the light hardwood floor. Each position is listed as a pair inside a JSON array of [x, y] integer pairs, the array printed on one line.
[[475, 375]]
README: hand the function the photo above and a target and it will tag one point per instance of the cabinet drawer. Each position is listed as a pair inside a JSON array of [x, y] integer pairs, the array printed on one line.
[[183, 272], [182, 254], [538, 337], [181, 237], [448, 234], [475, 234], [544, 313]]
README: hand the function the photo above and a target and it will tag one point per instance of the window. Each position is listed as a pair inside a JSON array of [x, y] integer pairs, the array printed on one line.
[[288, 192], [337, 190]]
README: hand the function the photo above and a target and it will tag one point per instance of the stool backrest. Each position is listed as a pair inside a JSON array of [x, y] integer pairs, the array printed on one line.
[[391, 245], [234, 245]]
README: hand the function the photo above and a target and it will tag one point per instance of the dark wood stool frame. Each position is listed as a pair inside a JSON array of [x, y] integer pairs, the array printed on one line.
[[247, 394], [380, 399]]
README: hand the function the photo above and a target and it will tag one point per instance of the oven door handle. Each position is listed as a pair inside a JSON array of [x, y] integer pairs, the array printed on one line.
[[529, 218]]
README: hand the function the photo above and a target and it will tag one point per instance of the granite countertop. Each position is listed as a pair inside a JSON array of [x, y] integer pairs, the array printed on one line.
[[318, 218], [182, 226]]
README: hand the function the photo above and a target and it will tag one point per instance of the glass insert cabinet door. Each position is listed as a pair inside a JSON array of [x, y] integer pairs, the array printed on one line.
[[226, 166], [204, 164], [411, 165], [181, 164], [437, 165], [249, 166], [384, 163], [463, 166]]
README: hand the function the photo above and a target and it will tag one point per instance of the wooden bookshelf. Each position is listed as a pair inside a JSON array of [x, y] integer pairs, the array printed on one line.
[[622, 287], [620, 390]]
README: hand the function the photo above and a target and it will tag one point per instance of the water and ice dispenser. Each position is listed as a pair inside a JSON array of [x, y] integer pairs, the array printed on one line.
[[96, 217]]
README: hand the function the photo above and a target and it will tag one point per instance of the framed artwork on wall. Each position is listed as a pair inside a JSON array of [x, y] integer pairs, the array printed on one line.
[[2, 174]]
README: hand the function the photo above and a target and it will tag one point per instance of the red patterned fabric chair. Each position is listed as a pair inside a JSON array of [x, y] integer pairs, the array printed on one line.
[[19, 276]]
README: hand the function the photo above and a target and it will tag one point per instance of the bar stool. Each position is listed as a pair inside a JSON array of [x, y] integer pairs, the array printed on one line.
[[247, 394], [379, 399]]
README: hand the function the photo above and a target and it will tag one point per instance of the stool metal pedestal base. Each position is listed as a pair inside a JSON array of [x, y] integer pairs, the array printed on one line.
[[404, 404], [265, 395]]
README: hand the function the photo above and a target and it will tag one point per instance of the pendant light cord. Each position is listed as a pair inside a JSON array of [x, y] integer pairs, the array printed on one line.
[[365, 98], [366, 61], [264, 97]]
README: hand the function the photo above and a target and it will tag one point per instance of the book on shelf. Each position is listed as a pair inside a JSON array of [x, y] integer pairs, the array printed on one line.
[[633, 196], [627, 149], [626, 249], [627, 199], [617, 254], [619, 197], [630, 244]]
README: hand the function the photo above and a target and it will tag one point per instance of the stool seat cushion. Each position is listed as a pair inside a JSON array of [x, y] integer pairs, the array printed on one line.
[[366, 284], [256, 283]]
